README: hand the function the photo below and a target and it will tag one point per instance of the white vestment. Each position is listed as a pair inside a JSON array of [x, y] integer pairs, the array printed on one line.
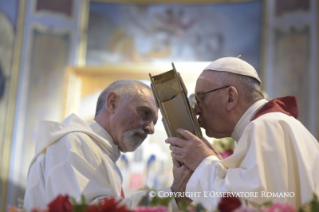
[[275, 153], [75, 158]]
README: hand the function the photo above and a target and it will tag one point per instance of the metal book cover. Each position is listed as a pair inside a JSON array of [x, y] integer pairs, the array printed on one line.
[[171, 97]]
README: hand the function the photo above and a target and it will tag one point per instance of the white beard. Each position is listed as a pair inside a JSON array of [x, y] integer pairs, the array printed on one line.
[[132, 139]]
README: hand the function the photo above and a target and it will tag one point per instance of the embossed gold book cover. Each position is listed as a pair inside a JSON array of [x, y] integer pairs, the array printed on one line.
[[171, 97]]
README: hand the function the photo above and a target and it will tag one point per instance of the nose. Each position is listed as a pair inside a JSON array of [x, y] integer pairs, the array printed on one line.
[[149, 127], [197, 110]]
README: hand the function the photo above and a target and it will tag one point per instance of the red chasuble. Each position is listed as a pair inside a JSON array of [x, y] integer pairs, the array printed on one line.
[[287, 105]]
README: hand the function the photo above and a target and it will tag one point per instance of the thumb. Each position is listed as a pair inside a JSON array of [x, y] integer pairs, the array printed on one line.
[[207, 143], [186, 134]]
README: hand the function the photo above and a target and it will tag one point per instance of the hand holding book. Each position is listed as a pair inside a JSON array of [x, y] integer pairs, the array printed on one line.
[[192, 150]]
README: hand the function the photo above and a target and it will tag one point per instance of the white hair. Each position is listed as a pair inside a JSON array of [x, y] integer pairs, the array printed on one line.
[[249, 86], [125, 88]]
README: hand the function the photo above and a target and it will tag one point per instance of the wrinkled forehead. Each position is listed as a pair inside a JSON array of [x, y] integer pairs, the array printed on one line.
[[145, 95], [205, 80], [144, 91]]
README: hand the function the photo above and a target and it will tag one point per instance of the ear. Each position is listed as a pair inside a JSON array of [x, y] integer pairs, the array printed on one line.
[[111, 102], [232, 98]]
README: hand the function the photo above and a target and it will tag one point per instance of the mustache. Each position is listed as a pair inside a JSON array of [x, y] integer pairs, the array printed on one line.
[[139, 132], [133, 139]]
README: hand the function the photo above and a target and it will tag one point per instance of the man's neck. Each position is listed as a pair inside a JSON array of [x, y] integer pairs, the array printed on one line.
[[103, 121], [245, 118], [240, 111]]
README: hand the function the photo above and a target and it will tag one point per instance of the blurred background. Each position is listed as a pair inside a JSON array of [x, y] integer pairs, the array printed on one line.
[[56, 56]]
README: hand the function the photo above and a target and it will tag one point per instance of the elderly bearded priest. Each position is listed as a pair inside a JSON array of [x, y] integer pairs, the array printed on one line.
[[74, 157], [274, 152]]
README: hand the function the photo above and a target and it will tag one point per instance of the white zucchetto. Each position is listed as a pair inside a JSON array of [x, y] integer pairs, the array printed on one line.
[[233, 65]]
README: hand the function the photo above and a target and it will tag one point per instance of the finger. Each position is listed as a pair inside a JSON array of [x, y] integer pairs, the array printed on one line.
[[216, 151], [211, 147], [207, 143], [176, 157], [176, 163], [186, 134], [186, 169], [187, 172], [176, 149], [176, 141]]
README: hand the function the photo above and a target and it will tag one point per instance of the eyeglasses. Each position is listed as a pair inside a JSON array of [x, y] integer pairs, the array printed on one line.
[[200, 96]]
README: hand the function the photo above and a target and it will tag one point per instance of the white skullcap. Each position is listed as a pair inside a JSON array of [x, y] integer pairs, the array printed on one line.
[[233, 65]]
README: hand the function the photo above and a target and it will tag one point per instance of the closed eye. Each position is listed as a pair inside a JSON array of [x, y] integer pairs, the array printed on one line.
[[144, 113], [147, 114], [199, 98]]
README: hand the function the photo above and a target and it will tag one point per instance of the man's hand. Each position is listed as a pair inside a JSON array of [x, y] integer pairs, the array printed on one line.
[[192, 151], [217, 154], [181, 176]]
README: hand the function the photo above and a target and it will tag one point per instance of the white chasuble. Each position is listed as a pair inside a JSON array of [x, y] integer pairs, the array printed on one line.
[[75, 158], [276, 158]]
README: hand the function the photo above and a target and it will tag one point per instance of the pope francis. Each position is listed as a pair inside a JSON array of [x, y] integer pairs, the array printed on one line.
[[276, 157]]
